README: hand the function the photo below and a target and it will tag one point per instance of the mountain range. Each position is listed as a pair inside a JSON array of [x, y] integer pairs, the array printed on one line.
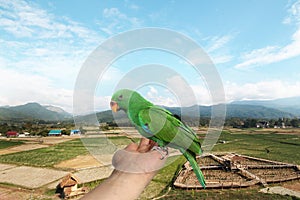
[[33, 111], [290, 105], [261, 109]]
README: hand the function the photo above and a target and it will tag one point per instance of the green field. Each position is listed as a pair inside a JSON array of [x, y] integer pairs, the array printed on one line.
[[9, 143], [49, 156], [228, 194], [46, 157], [280, 147]]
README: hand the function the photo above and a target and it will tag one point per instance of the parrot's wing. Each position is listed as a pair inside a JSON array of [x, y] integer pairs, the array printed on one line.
[[163, 126]]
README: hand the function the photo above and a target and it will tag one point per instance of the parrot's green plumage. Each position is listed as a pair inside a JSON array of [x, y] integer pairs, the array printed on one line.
[[159, 125]]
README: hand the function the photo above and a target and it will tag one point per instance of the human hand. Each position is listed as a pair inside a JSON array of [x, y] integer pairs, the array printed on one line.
[[135, 166], [138, 158]]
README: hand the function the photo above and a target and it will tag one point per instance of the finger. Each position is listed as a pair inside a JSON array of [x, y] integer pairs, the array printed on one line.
[[144, 142], [132, 147], [152, 144], [134, 162], [144, 145]]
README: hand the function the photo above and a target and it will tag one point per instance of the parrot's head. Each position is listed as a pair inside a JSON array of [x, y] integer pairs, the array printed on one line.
[[122, 98]]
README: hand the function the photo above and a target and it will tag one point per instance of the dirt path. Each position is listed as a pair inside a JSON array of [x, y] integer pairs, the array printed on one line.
[[281, 190]]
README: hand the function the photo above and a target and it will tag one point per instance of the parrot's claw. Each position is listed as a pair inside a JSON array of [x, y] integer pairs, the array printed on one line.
[[162, 150]]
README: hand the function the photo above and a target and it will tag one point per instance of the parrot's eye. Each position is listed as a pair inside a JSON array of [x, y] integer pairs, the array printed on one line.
[[120, 97]]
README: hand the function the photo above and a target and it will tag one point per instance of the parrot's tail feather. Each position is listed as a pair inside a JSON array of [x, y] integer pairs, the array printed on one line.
[[192, 159]]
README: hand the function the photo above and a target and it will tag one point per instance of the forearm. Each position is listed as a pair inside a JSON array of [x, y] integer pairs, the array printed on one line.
[[135, 166], [121, 186]]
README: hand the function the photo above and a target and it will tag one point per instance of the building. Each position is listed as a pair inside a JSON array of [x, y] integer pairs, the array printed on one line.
[[54, 132], [68, 187], [75, 132], [262, 124], [24, 134], [12, 134]]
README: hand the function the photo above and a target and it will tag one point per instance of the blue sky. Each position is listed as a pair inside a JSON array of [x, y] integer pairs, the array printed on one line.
[[255, 46]]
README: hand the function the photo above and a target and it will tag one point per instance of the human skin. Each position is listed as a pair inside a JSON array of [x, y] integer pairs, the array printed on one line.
[[129, 183]]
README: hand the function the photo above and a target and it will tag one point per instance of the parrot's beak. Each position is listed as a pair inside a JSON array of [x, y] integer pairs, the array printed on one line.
[[114, 106]]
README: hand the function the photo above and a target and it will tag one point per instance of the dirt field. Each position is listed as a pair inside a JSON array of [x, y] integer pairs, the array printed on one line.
[[80, 162], [29, 177], [28, 181], [292, 186], [85, 167], [14, 193]]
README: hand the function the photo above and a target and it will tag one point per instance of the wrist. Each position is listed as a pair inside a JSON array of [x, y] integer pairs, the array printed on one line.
[[132, 178]]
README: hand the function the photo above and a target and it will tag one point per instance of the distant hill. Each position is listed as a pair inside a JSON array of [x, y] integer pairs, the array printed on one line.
[[232, 110], [272, 109], [59, 110], [32, 111], [240, 111], [290, 105], [8, 114]]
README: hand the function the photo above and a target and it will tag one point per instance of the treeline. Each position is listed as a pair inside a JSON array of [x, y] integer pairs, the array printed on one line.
[[263, 123], [40, 128], [229, 122]]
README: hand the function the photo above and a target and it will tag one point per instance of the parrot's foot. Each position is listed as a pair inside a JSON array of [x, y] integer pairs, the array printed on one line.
[[162, 150]]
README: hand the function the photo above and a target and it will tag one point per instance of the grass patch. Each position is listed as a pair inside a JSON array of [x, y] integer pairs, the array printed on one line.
[[46, 157], [227, 194], [49, 156], [279, 147], [9, 143], [164, 179]]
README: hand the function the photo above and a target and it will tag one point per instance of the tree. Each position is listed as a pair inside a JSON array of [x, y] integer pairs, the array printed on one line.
[[295, 122], [250, 123]]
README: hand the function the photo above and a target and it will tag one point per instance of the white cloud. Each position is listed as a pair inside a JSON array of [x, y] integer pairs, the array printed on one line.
[[293, 14], [217, 48], [102, 103], [261, 90], [202, 94], [273, 54], [131, 5], [182, 90], [54, 61], [24, 19], [218, 42], [264, 90], [18, 88], [158, 99], [115, 21], [219, 59], [40, 54]]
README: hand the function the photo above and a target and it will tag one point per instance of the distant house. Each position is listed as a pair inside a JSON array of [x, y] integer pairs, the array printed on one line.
[[24, 134], [75, 132], [262, 124], [12, 134], [68, 187], [54, 132]]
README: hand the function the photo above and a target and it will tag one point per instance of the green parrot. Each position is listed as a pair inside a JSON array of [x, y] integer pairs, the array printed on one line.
[[159, 125]]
